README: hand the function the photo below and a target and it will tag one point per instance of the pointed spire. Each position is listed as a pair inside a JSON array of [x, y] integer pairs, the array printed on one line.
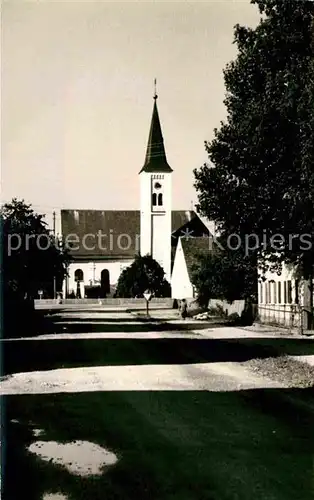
[[155, 160]]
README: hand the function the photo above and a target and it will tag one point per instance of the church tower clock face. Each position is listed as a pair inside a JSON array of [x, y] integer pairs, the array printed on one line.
[[157, 185]]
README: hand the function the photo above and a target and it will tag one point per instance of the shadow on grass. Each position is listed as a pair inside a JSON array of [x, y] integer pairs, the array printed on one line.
[[33, 355], [143, 325], [63, 319], [29, 323], [47, 325], [170, 445]]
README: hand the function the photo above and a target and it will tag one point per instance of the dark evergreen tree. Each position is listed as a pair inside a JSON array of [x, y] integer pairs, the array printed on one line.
[[31, 256]]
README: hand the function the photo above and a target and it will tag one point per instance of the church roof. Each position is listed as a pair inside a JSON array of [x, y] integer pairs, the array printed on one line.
[[120, 230], [193, 249], [155, 160]]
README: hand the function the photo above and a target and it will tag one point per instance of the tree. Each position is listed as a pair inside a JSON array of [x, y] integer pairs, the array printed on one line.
[[225, 275], [145, 273], [260, 179], [31, 257]]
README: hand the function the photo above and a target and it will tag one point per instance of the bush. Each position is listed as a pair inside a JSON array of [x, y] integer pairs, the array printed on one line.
[[248, 315], [195, 308], [234, 318], [218, 310]]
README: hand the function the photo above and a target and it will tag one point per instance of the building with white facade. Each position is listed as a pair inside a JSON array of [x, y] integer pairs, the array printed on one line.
[[104, 242], [284, 299]]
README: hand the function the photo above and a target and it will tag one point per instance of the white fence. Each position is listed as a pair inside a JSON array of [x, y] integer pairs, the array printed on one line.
[[127, 303]]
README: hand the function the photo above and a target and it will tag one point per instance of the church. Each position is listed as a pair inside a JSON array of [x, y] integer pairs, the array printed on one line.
[[102, 243]]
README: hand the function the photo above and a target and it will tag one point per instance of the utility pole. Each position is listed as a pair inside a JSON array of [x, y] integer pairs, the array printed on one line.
[[54, 276]]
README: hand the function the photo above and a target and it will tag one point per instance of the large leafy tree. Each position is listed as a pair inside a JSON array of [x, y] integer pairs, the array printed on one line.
[[225, 275], [31, 257], [144, 274], [260, 177]]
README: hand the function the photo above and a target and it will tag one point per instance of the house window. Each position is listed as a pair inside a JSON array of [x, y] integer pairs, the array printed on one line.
[[279, 292], [284, 292], [297, 291], [275, 292], [289, 291]]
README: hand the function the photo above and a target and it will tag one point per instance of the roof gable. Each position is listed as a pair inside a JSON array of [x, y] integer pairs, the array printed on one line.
[[194, 249]]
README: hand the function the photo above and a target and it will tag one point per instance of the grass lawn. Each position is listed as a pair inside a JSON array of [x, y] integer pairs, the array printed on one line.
[[170, 445]]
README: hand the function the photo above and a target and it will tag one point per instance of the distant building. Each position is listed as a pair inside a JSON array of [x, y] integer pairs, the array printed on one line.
[[283, 299], [105, 242]]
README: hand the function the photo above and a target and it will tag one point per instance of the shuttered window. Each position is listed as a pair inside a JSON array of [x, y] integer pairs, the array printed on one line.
[[297, 291], [285, 292], [289, 291], [275, 293]]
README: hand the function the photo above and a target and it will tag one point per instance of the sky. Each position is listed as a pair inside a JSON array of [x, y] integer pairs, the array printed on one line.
[[77, 95]]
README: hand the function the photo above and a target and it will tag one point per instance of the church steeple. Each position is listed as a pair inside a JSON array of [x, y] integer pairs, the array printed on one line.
[[155, 160], [156, 198]]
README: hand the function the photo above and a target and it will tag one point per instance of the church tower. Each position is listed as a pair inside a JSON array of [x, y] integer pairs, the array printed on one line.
[[156, 193]]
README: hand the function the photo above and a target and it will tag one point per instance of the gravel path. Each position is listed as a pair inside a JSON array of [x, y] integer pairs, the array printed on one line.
[[282, 372], [290, 371], [191, 377]]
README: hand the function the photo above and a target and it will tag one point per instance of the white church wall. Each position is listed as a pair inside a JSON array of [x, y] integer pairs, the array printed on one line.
[[92, 272], [145, 204], [181, 286], [164, 240]]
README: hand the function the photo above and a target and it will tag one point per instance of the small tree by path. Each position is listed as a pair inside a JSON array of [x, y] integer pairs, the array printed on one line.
[[144, 274]]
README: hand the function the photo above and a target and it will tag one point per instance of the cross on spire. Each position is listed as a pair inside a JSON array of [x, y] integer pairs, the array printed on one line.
[[155, 160], [155, 89]]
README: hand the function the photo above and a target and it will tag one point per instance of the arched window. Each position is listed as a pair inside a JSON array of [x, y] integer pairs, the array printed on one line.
[[160, 199], [105, 282], [154, 199], [79, 275]]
